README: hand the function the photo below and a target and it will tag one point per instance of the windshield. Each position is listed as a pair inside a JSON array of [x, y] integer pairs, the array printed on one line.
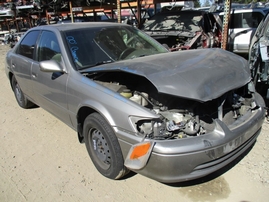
[[94, 46], [185, 21]]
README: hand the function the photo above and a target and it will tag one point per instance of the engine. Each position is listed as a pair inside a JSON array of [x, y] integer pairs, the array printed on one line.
[[179, 117]]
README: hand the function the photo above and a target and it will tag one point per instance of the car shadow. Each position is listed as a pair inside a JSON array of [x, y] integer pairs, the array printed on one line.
[[129, 175], [34, 106]]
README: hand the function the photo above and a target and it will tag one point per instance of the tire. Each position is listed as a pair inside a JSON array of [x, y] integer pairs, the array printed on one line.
[[21, 99], [103, 147]]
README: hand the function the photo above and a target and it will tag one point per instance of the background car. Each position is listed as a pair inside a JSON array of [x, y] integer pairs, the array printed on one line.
[[184, 29], [6, 11], [171, 116], [259, 58], [4, 36], [242, 26]]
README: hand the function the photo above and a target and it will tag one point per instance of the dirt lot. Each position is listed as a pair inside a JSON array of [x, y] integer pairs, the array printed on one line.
[[42, 160]]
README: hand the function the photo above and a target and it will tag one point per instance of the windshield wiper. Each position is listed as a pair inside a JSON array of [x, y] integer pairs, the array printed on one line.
[[101, 63], [96, 64], [139, 56]]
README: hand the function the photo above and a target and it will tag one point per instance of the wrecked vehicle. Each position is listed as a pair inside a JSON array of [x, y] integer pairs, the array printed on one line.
[[259, 58], [242, 26], [170, 116], [184, 29]]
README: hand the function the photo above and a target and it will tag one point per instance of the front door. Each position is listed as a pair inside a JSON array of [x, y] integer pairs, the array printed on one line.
[[50, 87]]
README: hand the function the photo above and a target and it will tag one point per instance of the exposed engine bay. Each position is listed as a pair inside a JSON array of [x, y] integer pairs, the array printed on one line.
[[181, 42], [179, 117], [188, 40], [184, 29]]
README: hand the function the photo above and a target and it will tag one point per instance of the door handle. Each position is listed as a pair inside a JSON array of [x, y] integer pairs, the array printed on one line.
[[33, 75]]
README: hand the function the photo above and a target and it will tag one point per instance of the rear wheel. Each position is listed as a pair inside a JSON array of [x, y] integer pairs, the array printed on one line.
[[103, 147], [21, 99]]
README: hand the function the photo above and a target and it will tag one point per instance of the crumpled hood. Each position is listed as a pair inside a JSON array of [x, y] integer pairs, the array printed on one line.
[[195, 74]]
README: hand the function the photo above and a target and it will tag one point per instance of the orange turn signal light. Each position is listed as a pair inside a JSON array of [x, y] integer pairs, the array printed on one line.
[[140, 150]]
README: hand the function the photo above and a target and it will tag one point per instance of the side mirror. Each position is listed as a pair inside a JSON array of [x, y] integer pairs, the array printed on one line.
[[51, 66]]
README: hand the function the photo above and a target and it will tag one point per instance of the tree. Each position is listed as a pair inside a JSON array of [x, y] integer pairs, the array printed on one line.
[[197, 3], [207, 3]]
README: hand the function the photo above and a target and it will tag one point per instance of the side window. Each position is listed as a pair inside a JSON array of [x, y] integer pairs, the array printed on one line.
[[257, 18], [48, 48], [251, 20], [247, 20], [27, 45], [236, 20]]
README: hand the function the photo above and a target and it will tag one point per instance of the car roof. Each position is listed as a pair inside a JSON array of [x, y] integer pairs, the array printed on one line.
[[77, 25]]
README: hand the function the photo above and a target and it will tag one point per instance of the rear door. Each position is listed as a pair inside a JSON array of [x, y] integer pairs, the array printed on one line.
[[22, 60]]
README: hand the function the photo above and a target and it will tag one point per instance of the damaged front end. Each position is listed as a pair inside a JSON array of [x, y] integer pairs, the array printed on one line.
[[183, 118], [192, 119], [179, 118]]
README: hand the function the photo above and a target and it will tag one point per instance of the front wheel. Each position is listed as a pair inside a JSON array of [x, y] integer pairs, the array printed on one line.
[[103, 147], [21, 99]]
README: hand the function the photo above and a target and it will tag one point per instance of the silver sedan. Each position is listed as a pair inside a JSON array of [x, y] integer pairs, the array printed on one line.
[[171, 116]]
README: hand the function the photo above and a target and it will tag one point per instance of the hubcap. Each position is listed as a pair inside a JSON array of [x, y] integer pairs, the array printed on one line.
[[18, 93], [100, 147]]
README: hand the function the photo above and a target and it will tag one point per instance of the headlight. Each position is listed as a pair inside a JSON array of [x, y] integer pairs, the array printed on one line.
[[148, 127]]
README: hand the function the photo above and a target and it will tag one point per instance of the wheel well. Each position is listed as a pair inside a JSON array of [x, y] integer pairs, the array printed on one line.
[[81, 116]]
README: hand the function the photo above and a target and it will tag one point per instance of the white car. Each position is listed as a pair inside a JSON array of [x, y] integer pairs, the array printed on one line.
[[6, 12], [4, 36], [242, 25]]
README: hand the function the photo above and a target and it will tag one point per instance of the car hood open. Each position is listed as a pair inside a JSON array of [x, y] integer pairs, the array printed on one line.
[[195, 74]]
